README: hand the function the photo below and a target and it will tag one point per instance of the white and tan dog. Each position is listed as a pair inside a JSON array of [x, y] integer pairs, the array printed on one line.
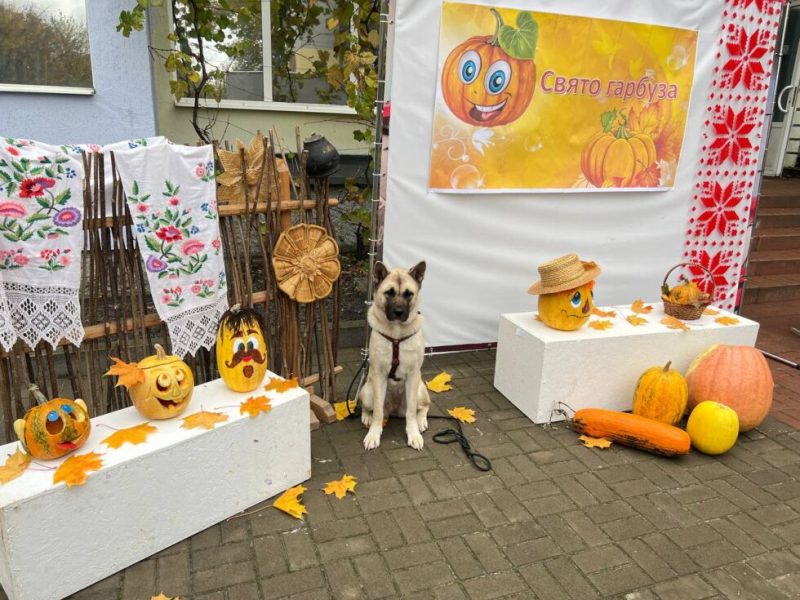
[[396, 349]]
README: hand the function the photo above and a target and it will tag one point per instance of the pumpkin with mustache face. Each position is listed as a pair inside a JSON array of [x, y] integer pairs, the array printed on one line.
[[241, 349]]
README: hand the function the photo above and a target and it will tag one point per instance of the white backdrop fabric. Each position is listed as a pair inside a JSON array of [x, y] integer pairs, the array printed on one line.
[[482, 250]]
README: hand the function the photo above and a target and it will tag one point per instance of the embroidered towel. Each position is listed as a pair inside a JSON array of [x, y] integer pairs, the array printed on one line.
[[171, 196], [41, 238]]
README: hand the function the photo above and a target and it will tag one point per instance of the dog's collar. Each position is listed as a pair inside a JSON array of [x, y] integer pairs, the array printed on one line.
[[396, 352]]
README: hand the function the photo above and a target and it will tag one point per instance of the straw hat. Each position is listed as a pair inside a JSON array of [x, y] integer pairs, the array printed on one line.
[[562, 274]]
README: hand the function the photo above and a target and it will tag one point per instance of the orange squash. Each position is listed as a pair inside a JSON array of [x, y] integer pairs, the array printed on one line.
[[53, 428], [483, 84], [632, 430], [737, 376], [241, 349], [661, 394], [614, 157]]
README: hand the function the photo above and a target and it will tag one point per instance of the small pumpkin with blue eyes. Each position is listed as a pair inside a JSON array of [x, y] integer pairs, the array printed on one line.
[[53, 428], [566, 292], [241, 349]]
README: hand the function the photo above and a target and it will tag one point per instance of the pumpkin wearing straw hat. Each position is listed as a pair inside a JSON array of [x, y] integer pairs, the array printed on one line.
[[565, 291]]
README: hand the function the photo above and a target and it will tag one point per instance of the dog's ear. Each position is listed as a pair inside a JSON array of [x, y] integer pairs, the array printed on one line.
[[379, 272], [418, 271]]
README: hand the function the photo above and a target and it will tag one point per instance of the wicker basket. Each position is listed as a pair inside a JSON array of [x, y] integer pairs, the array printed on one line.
[[686, 312]]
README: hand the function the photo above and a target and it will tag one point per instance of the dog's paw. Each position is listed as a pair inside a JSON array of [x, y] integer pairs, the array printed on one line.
[[366, 417], [422, 422], [415, 440], [373, 439]]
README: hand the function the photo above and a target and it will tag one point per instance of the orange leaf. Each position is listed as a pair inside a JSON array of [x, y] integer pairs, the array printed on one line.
[[133, 435], [162, 596], [639, 307], [645, 121], [440, 383], [636, 320], [603, 313], [75, 470], [342, 411], [592, 442], [668, 144], [289, 502], [129, 373], [710, 311], [674, 323], [341, 486], [726, 320], [15, 466], [648, 177], [203, 419], [254, 405], [281, 385], [465, 415], [601, 325]]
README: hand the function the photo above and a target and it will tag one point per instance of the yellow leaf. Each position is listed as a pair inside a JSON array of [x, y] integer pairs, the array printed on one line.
[[129, 373], [161, 596], [341, 486], [133, 435], [15, 466], [255, 405], [74, 470], [726, 320], [289, 502], [203, 419], [276, 384], [639, 307], [440, 383], [646, 121], [603, 313], [341, 409], [636, 320], [710, 311], [592, 442], [601, 325], [465, 415], [674, 323]]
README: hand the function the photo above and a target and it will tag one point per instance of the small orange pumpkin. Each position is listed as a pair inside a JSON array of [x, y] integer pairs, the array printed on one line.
[[661, 394], [487, 82], [567, 310], [53, 428]]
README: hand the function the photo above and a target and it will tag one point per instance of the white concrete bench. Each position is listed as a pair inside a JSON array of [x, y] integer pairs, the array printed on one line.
[[537, 366], [58, 540]]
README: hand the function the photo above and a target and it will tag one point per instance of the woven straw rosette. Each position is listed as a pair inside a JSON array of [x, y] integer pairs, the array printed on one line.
[[306, 262], [686, 300]]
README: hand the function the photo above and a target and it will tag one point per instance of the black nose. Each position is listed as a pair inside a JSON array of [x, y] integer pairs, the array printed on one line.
[[399, 312]]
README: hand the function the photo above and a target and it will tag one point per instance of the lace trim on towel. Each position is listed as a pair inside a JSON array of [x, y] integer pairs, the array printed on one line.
[[196, 328], [38, 313]]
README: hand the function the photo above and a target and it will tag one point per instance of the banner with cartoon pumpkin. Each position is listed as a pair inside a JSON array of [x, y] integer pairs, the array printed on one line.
[[535, 101]]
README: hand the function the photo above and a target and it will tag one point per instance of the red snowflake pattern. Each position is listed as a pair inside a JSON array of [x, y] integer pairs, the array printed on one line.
[[732, 131], [762, 6], [744, 63], [719, 204], [718, 264]]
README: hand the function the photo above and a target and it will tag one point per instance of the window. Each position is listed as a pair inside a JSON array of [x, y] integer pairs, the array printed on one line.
[[44, 46]]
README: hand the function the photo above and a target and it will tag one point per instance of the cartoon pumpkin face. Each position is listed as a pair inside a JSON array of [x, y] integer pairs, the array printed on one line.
[[568, 310], [160, 386], [241, 349], [484, 84], [53, 428]]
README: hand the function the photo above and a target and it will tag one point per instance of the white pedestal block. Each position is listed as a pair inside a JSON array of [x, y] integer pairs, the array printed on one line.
[[537, 366], [58, 540]]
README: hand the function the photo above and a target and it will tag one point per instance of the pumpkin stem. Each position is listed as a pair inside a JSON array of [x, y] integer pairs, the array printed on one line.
[[667, 366], [495, 41], [236, 308], [38, 396], [160, 352]]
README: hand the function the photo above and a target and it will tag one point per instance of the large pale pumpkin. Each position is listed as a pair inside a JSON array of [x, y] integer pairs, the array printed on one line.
[[568, 310], [737, 376], [53, 428], [661, 394], [241, 349]]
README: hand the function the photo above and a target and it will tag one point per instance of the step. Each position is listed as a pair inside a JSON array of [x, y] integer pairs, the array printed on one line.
[[771, 218], [780, 201], [774, 262], [777, 238], [769, 309], [771, 288]]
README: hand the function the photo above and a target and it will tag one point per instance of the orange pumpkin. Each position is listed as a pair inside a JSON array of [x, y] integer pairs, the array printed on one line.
[[737, 376], [241, 349], [483, 84], [661, 395], [53, 428]]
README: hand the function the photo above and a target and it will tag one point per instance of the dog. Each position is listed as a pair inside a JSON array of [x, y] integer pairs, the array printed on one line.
[[394, 383]]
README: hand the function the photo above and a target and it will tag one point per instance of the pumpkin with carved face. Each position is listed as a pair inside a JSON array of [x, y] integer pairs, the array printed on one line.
[[53, 428], [160, 386], [241, 349], [567, 310]]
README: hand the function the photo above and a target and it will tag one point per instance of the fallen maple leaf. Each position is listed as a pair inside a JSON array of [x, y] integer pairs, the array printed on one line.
[[710, 311], [161, 596], [440, 383], [75, 470], [603, 313], [276, 384], [133, 435], [341, 409], [601, 325], [726, 320], [638, 306], [15, 466], [636, 320], [129, 373], [289, 502], [341, 486], [465, 415], [593, 442], [674, 323], [203, 419], [255, 405]]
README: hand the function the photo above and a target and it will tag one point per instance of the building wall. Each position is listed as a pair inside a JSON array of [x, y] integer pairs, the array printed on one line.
[[122, 106]]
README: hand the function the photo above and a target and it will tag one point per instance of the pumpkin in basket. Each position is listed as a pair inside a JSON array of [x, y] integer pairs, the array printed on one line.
[[661, 394], [686, 292], [241, 349], [54, 427]]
